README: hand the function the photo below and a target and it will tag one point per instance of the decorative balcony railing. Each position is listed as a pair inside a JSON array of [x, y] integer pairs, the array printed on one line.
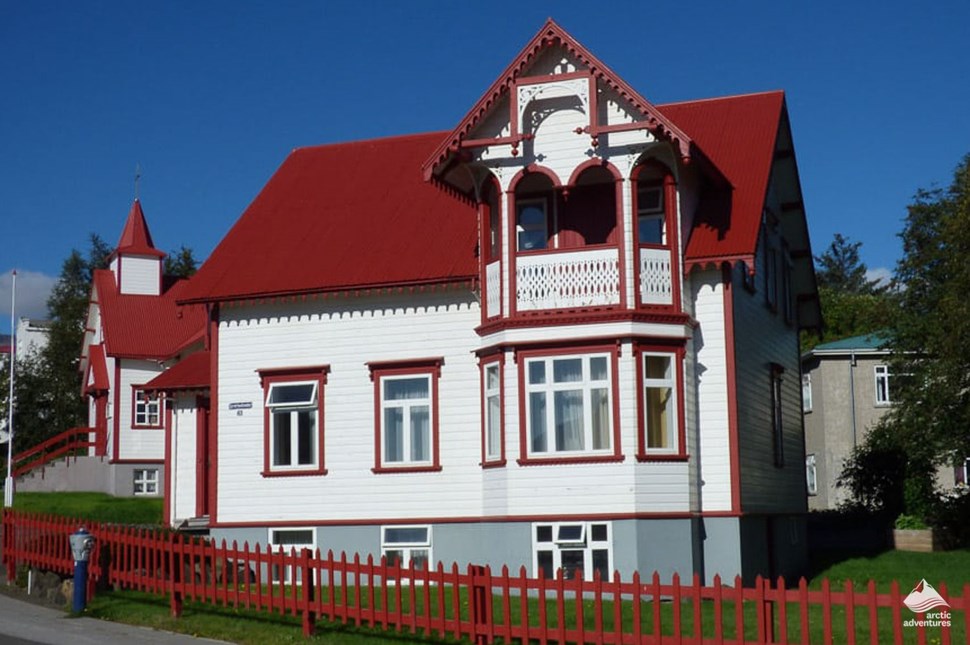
[[567, 280], [656, 284], [493, 289]]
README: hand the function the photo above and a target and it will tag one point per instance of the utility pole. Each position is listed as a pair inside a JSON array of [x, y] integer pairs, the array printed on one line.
[[8, 485]]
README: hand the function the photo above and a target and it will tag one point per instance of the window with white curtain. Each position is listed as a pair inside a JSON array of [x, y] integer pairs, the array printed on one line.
[[493, 412], [568, 404], [406, 419]]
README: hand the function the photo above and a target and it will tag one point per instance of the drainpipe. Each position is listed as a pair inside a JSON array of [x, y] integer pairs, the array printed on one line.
[[852, 363]]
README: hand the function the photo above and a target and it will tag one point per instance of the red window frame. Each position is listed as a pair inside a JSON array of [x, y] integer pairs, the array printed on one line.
[[136, 392], [268, 377], [677, 354], [497, 360], [430, 367], [521, 358]]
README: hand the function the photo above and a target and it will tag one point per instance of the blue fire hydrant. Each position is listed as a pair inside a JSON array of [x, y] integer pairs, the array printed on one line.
[[82, 543]]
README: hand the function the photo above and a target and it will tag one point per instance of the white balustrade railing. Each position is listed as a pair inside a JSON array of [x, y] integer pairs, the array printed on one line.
[[567, 280], [656, 283], [493, 289]]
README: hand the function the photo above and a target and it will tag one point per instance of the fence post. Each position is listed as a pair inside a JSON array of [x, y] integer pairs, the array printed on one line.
[[309, 593], [175, 569], [477, 606], [8, 541]]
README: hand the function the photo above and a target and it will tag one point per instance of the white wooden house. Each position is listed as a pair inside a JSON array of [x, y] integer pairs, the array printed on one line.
[[133, 331], [562, 334]]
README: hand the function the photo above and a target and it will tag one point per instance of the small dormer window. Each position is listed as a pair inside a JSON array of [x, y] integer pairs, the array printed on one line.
[[651, 219]]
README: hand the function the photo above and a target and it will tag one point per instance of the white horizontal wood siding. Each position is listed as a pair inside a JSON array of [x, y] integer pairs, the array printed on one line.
[[184, 452], [140, 275], [713, 457], [137, 443], [346, 335]]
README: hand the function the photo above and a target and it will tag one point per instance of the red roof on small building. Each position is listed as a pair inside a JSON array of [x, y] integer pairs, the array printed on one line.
[[144, 326], [345, 216], [135, 237], [96, 380], [191, 373]]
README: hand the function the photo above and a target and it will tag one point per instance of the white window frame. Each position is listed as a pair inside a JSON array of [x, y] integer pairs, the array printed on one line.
[[148, 408], [882, 377], [806, 392], [586, 385], [409, 548], [558, 544], [407, 405], [295, 409], [811, 474], [298, 546], [673, 410], [145, 481], [777, 414], [657, 212], [492, 397], [521, 229]]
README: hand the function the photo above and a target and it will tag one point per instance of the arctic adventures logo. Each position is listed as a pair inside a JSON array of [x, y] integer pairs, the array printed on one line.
[[921, 600]]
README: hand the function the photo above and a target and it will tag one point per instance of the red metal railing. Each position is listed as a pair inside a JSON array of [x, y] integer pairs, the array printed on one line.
[[66, 443], [476, 603]]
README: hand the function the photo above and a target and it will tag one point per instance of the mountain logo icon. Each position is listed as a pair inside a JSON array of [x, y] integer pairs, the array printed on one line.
[[924, 597]]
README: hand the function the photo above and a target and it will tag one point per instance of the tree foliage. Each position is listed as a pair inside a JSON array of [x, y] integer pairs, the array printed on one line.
[[852, 304], [930, 338], [181, 263]]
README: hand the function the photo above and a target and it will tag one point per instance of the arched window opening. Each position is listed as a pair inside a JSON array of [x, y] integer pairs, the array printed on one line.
[[651, 205], [587, 213], [534, 219]]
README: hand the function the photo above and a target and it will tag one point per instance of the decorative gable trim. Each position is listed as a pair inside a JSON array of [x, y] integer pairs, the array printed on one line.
[[552, 35]]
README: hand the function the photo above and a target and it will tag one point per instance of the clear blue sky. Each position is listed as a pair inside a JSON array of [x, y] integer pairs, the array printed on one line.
[[209, 97]]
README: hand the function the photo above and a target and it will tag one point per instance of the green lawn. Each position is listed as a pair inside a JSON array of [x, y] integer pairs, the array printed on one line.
[[95, 507]]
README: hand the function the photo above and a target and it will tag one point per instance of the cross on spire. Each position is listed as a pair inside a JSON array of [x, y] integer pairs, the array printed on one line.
[[137, 178]]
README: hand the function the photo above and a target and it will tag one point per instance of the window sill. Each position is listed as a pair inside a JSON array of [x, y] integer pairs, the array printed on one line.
[[160, 427], [560, 461], [384, 470], [494, 464], [661, 457], [294, 473]]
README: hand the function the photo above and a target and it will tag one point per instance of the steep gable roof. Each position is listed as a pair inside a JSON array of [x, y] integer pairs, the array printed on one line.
[[344, 216], [135, 237], [149, 327], [738, 135], [552, 35], [96, 379]]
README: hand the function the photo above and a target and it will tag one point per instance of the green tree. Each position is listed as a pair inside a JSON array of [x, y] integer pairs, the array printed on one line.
[[930, 338], [851, 303], [181, 263]]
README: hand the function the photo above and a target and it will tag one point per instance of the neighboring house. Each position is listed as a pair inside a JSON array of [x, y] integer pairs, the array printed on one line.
[[134, 330], [562, 334], [32, 336], [847, 386]]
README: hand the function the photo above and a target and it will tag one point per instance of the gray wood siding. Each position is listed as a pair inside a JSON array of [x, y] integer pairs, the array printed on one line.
[[762, 337]]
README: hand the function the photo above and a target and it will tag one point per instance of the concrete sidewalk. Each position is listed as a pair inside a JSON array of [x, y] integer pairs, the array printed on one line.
[[27, 622]]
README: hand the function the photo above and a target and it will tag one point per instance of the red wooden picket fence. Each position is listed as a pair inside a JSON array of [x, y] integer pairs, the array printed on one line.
[[476, 603]]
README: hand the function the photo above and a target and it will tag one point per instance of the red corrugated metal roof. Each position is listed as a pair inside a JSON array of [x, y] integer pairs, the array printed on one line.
[[138, 326], [358, 215], [738, 135], [135, 237], [342, 216], [191, 373]]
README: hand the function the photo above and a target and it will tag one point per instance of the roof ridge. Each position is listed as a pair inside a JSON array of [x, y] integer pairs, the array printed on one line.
[[721, 98], [383, 139]]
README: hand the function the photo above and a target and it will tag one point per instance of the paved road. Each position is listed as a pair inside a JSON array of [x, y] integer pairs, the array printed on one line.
[[26, 623]]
